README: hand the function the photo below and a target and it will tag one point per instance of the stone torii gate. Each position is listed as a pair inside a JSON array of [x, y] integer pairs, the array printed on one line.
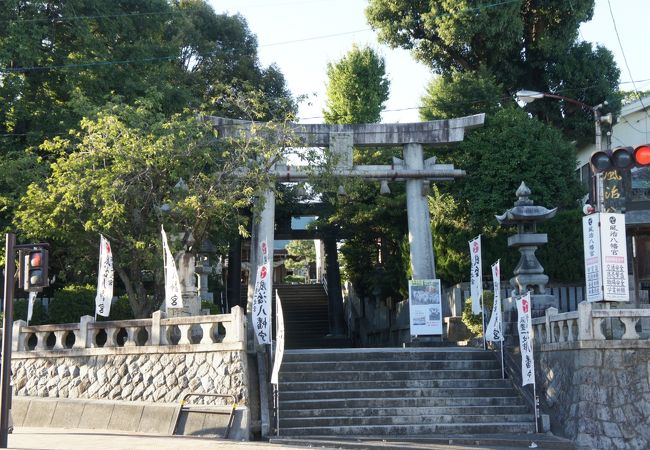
[[413, 169]]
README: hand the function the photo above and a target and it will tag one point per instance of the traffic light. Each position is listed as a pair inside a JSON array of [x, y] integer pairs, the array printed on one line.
[[621, 158], [34, 269]]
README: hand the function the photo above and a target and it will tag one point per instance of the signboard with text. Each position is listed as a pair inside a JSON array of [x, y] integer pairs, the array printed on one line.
[[425, 307], [605, 251]]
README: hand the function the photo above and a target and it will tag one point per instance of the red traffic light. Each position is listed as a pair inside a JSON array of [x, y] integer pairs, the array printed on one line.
[[35, 259], [35, 270], [642, 154], [620, 158]]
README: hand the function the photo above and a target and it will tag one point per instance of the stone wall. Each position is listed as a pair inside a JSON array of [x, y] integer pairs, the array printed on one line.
[[158, 360], [154, 377], [593, 375], [598, 395]]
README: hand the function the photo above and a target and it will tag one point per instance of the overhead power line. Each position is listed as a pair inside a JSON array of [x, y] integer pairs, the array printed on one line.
[[627, 66]]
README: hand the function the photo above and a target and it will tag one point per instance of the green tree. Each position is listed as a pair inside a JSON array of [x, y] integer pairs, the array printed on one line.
[[461, 94], [61, 61], [357, 87], [511, 148], [300, 254], [522, 44], [483, 54], [374, 225], [120, 175]]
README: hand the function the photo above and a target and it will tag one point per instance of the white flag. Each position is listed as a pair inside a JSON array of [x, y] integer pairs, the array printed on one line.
[[173, 297], [262, 304], [104, 278], [279, 340], [476, 282], [525, 340], [30, 306], [494, 330]]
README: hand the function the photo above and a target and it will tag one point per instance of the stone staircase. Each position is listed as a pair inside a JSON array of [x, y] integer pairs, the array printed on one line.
[[397, 392], [306, 319]]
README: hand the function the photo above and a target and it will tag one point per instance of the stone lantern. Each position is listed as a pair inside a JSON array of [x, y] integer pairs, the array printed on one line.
[[529, 273]]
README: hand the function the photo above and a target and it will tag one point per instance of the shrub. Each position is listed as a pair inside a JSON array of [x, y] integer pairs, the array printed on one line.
[[214, 309], [473, 322], [74, 301], [39, 316]]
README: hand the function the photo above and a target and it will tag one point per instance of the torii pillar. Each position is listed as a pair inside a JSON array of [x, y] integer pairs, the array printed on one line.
[[417, 209]]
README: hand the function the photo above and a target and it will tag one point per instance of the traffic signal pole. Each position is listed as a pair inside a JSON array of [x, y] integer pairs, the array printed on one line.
[[600, 188], [7, 328], [8, 320]]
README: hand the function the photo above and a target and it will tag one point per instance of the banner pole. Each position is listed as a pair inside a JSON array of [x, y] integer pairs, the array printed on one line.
[[536, 408], [483, 318], [503, 371], [277, 409]]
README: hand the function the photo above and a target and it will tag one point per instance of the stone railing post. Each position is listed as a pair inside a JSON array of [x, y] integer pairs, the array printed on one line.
[[82, 337], [235, 331], [585, 322], [18, 340], [550, 312], [156, 329]]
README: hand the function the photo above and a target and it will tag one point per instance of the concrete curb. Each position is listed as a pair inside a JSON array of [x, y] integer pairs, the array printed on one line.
[[136, 417]]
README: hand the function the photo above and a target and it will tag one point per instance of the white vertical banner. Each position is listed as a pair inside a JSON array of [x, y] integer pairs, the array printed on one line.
[[262, 298], [105, 278], [476, 282], [279, 340], [525, 340], [173, 296], [30, 305], [494, 330], [605, 251], [613, 249], [593, 262]]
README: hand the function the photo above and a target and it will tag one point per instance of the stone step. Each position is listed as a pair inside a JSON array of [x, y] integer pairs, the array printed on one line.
[[393, 354], [383, 366], [391, 384], [410, 419], [406, 430], [419, 402], [378, 411], [331, 376], [396, 393]]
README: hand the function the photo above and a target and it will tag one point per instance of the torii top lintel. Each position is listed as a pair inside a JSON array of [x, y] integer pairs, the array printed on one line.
[[434, 132]]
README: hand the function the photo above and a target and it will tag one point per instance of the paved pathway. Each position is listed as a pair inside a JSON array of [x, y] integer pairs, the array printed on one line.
[[79, 439]]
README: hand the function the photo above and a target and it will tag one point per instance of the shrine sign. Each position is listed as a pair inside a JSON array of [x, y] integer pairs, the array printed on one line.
[[605, 251]]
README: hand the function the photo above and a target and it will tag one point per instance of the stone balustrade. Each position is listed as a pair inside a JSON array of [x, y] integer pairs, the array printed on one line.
[[157, 331], [589, 324], [145, 360]]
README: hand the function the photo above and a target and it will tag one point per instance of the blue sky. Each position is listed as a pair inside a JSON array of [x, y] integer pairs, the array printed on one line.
[[302, 36]]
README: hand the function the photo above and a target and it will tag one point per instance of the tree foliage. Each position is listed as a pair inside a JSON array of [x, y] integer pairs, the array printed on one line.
[[483, 54], [522, 44], [60, 61], [95, 101], [511, 148], [357, 87], [461, 94], [301, 254], [130, 169], [374, 226]]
